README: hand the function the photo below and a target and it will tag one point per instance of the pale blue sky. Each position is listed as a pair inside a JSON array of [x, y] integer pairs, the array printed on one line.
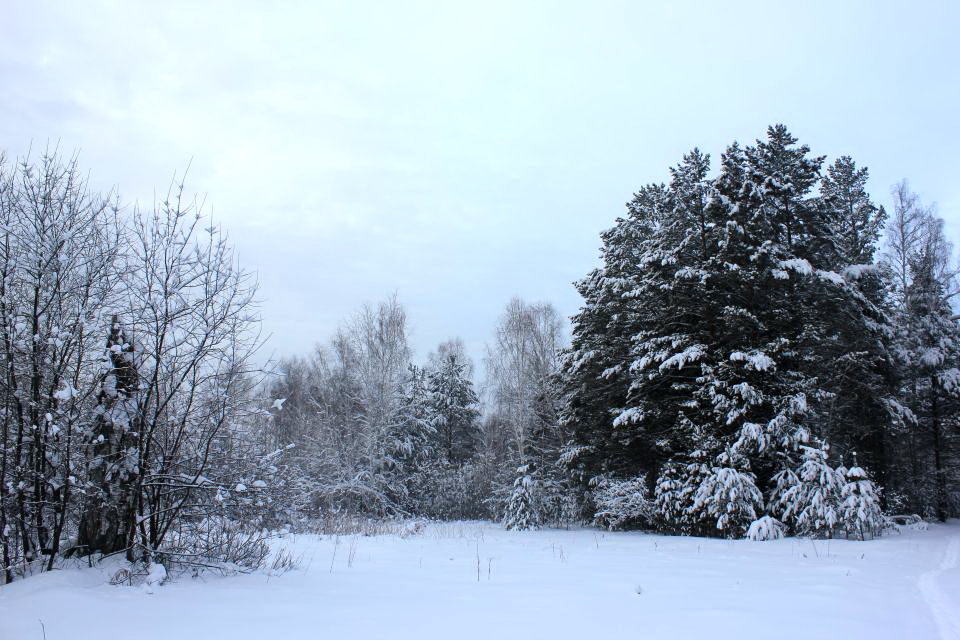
[[462, 153]]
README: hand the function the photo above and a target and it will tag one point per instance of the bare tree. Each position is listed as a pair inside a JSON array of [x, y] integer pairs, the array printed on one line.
[[345, 413], [927, 348], [520, 364], [191, 313], [58, 268]]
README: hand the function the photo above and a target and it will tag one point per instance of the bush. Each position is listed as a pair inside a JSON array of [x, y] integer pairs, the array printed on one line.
[[622, 504], [766, 528]]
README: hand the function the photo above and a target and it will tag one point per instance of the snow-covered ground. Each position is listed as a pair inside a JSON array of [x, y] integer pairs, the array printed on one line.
[[474, 580]]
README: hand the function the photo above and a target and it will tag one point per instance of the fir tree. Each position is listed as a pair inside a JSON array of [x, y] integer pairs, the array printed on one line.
[[675, 496]]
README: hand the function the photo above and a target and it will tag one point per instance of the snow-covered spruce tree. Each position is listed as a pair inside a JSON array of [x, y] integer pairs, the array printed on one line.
[[454, 411], [675, 493], [455, 481], [808, 500], [522, 510], [860, 514], [728, 497]]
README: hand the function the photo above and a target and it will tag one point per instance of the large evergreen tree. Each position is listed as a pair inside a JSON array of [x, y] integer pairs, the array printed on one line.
[[706, 353]]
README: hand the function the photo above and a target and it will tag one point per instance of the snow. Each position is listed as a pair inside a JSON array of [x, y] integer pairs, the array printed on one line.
[[65, 393], [156, 576], [474, 580], [798, 265], [857, 271], [758, 361], [830, 276], [766, 528], [685, 357]]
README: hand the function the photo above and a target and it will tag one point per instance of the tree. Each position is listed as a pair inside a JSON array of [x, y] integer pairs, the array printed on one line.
[[356, 413], [729, 497], [808, 499], [859, 504], [521, 511], [722, 329], [927, 343], [855, 221], [192, 308], [105, 522], [113, 448], [521, 365], [595, 375], [622, 503], [454, 410], [59, 266], [923, 283]]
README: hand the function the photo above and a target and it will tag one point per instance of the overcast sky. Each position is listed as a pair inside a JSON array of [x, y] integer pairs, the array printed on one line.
[[461, 153]]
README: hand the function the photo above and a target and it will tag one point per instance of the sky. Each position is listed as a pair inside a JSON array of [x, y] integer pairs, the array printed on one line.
[[458, 154]]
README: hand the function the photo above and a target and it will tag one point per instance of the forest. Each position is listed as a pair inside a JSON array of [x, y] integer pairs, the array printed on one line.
[[763, 350]]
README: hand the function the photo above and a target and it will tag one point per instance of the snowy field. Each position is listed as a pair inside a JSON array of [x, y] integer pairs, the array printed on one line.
[[474, 580]]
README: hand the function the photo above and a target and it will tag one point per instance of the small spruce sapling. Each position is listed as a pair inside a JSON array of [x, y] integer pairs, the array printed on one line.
[[860, 512]]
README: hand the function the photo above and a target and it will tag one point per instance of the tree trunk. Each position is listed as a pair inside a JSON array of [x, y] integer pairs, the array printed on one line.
[[940, 473]]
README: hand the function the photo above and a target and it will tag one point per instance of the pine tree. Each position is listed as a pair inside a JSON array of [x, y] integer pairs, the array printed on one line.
[[766, 528], [855, 221], [595, 374], [855, 362], [930, 351], [925, 478]]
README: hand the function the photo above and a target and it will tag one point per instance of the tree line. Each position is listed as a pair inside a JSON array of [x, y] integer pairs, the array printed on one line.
[[763, 350]]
